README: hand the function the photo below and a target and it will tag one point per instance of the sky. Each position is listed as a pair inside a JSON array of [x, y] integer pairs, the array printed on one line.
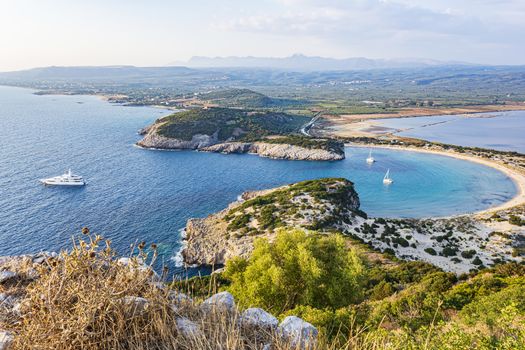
[[35, 33]]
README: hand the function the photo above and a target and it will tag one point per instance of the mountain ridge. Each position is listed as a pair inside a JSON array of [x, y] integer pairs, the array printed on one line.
[[317, 63]]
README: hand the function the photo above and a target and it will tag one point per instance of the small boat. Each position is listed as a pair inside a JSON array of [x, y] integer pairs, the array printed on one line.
[[68, 179], [387, 180], [370, 159]]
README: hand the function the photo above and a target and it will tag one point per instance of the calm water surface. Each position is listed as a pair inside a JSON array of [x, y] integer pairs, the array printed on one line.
[[502, 131], [134, 194]]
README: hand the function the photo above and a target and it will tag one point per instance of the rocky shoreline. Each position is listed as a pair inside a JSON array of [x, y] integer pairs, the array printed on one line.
[[457, 244], [217, 238], [211, 143]]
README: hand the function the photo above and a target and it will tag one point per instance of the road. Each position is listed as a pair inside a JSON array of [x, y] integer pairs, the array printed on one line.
[[305, 130]]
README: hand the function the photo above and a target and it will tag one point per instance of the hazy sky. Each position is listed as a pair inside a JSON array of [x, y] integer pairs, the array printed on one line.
[[158, 32]]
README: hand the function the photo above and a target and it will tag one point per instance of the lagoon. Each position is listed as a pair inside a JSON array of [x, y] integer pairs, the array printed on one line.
[[496, 130]]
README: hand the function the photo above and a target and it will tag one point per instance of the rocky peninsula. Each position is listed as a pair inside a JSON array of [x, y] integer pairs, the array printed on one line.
[[271, 135], [456, 244], [316, 204]]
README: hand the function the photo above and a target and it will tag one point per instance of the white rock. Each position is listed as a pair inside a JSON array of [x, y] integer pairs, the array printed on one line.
[[256, 317], [6, 338], [220, 301], [298, 332], [4, 298], [7, 275], [32, 274], [187, 328], [158, 284], [39, 258]]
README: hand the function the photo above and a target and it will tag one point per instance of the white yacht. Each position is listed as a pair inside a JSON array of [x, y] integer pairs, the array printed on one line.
[[370, 159], [387, 180], [68, 179]]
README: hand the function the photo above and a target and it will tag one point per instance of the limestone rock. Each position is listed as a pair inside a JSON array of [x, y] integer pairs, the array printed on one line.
[[154, 140], [7, 275], [187, 328], [258, 318], [298, 332], [179, 298], [276, 150], [222, 301], [6, 338]]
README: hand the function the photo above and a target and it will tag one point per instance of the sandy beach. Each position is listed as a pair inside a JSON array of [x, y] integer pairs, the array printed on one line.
[[516, 176], [369, 125]]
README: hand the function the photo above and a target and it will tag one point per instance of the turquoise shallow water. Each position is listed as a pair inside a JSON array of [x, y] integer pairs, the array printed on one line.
[[134, 194]]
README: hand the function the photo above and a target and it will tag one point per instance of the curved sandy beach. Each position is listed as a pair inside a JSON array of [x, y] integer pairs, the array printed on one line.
[[516, 176]]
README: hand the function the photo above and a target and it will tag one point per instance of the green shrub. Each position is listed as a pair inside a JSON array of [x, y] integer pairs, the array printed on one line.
[[449, 251], [468, 254], [431, 251], [297, 269]]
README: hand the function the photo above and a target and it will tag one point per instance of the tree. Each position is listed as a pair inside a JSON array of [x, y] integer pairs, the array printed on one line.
[[298, 268]]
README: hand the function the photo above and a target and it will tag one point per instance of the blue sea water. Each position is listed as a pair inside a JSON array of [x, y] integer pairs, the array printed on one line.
[[135, 194], [497, 130]]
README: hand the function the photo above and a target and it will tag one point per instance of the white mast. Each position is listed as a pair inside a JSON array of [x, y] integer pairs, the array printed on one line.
[[387, 180]]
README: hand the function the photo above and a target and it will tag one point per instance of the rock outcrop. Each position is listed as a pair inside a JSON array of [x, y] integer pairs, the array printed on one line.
[[211, 143], [152, 139], [316, 204], [298, 332], [276, 150]]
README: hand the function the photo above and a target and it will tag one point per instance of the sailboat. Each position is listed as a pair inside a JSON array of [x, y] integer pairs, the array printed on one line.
[[387, 180], [370, 159]]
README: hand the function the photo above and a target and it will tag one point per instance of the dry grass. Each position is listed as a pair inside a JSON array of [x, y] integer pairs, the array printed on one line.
[[86, 299], [79, 303]]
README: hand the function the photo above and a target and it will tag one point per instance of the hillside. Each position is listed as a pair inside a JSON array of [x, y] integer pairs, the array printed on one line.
[[227, 130], [227, 124], [317, 204], [245, 98], [302, 290], [458, 244]]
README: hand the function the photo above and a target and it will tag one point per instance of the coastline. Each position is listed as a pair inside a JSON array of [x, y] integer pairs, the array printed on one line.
[[369, 125], [516, 176]]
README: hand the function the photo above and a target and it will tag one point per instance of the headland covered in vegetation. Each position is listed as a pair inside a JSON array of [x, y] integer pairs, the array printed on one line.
[[227, 130]]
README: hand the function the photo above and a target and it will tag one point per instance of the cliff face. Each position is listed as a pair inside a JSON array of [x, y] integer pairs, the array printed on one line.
[[154, 140], [211, 143], [318, 204], [272, 150]]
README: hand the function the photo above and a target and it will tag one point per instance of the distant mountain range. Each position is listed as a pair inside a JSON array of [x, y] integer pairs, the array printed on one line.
[[311, 63]]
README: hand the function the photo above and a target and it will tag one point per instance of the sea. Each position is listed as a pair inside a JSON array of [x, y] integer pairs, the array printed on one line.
[[133, 194]]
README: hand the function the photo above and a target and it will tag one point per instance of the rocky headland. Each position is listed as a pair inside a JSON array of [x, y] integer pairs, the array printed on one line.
[[457, 244], [268, 135], [231, 232]]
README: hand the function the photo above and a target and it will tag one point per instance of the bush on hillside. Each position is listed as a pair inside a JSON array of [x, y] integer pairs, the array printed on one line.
[[298, 268]]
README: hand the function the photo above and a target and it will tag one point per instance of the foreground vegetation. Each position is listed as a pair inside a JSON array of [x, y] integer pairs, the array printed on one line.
[[88, 299], [358, 303]]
